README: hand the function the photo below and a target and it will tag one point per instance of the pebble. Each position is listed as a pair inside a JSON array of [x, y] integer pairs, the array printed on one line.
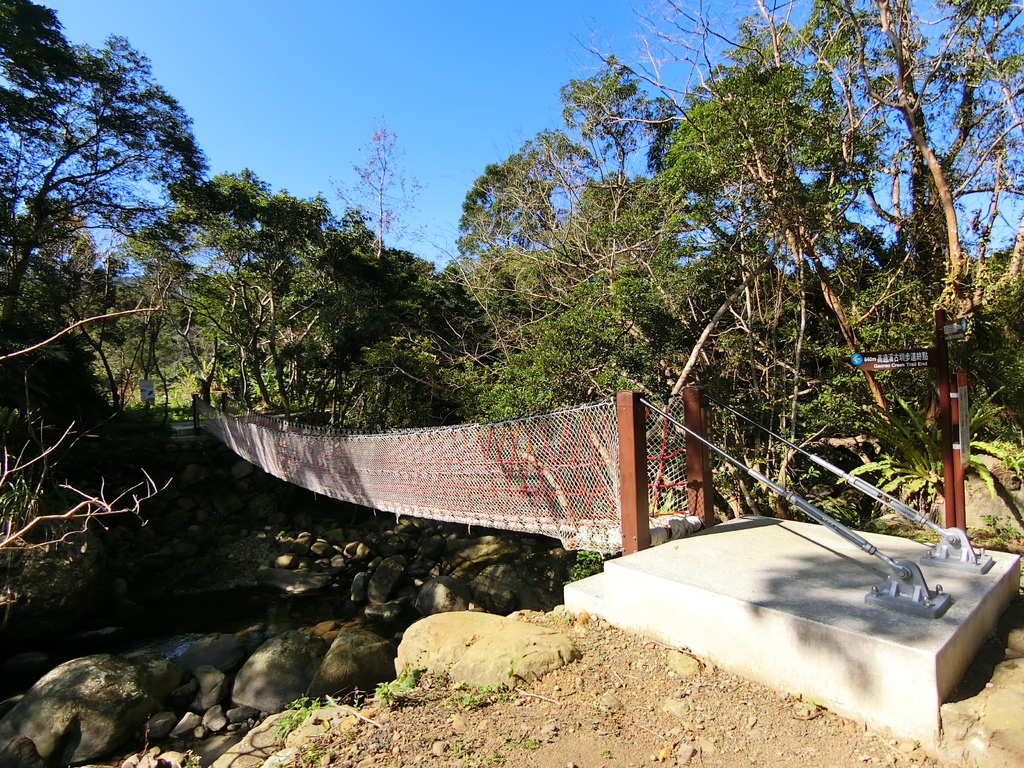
[[685, 753], [611, 702]]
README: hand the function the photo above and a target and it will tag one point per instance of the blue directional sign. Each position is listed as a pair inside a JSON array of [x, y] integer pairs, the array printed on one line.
[[887, 361]]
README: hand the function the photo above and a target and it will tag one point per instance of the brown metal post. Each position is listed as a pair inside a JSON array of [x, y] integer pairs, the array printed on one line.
[[700, 493], [959, 452], [636, 528], [945, 419]]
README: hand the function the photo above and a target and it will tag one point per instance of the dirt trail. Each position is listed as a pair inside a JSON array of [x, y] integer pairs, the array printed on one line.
[[620, 705]]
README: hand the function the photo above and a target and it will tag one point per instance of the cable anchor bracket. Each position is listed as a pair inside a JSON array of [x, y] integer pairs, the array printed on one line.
[[906, 591], [953, 550]]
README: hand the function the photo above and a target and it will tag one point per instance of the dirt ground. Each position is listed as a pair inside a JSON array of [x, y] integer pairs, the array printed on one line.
[[620, 705]]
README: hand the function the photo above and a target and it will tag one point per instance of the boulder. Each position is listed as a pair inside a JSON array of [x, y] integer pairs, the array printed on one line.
[[223, 651], [482, 649], [357, 659], [443, 594], [82, 709], [159, 675], [279, 672], [21, 753]]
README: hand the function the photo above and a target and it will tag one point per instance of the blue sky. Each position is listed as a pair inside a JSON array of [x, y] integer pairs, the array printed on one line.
[[293, 90]]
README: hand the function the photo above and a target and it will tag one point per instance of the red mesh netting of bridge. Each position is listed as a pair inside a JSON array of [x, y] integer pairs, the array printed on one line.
[[555, 474]]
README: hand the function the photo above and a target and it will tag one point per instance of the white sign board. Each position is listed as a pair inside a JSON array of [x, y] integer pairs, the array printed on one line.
[[147, 392], [965, 426]]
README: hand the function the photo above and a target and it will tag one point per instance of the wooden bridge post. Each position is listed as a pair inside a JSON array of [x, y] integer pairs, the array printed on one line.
[[636, 527], [195, 413], [700, 491]]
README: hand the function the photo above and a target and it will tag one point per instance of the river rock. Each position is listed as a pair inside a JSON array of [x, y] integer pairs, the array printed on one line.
[[187, 725], [384, 612], [255, 747], [287, 560], [359, 587], [470, 556], [213, 687], [384, 579], [443, 594], [242, 714], [82, 709], [500, 589], [159, 676], [482, 649], [240, 469], [223, 651], [160, 725], [214, 719], [431, 548], [357, 659], [279, 672], [183, 695]]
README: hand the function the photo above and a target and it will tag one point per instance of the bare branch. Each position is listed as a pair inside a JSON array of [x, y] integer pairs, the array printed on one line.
[[75, 325]]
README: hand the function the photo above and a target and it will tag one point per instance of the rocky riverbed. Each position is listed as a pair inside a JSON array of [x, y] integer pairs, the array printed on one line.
[[321, 575], [254, 595]]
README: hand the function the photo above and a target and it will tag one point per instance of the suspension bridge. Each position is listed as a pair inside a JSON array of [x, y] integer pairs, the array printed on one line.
[[612, 475]]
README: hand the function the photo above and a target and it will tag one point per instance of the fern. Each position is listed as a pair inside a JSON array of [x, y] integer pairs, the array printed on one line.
[[912, 463]]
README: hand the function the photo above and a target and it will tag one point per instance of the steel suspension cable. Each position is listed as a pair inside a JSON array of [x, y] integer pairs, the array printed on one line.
[[956, 547], [797, 501], [904, 589]]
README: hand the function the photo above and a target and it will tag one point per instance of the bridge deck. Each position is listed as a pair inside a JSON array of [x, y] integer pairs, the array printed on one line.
[[782, 603]]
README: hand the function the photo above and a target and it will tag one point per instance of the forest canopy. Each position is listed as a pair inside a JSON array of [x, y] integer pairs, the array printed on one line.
[[817, 182]]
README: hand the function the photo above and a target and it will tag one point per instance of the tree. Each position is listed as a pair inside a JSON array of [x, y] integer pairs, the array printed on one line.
[[856, 144], [34, 58], [947, 86], [253, 246], [569, 247], [109, 135], [382, 193]]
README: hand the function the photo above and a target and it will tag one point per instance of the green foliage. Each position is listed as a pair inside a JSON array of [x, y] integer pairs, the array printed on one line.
[[297, 711], [472, 697], [389, 694], [1001, 529], [586, 564], [912, 460], [10, 420]]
